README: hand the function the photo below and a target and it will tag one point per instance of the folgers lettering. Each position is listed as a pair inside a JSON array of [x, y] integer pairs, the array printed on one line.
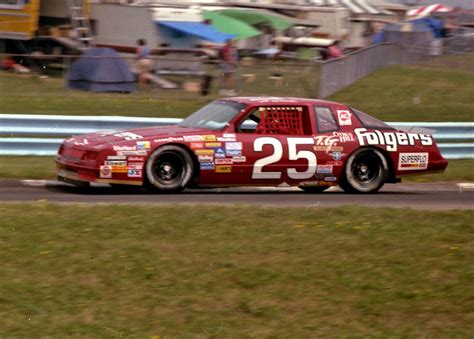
[[391, 139]]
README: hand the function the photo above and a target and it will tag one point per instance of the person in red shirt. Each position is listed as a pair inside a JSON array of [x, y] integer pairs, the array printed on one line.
[[227, 65]]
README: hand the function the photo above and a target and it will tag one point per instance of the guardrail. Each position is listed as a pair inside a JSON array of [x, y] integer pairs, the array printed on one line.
[[454, 138]]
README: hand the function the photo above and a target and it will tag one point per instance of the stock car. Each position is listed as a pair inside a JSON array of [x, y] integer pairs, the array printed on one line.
[[254, 141]]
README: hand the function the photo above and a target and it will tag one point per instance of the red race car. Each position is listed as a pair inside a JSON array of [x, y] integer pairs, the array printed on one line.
[[254, 141]]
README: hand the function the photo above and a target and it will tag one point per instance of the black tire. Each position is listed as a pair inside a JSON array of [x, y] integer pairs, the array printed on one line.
[[366, 171], [168, 169], [314, 189]]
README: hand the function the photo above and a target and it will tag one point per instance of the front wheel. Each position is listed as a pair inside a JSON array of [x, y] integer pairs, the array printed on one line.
[[366, 171], [168, 169]]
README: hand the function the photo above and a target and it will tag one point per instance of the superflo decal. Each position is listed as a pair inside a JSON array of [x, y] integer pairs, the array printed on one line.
[[413, 161], [391, 139]]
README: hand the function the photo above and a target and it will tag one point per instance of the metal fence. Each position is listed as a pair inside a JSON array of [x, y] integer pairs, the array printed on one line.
[[42, 134], [334, 75]]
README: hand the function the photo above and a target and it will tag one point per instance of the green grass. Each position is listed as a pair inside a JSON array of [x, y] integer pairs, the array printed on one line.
[[27, 94], [400, 93], [461, 62], [25, 167], [396, 93], [104, 271]]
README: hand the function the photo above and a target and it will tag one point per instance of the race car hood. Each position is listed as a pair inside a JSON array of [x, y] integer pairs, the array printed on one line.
[[103, 139]]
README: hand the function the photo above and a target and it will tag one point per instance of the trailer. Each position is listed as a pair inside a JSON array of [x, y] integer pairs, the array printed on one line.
[[26, 25]]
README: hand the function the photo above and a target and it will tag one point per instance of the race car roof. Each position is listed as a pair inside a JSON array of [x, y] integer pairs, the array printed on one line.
[[279, 101]]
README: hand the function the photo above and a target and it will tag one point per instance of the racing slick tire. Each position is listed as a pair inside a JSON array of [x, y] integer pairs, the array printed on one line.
[[366, 171], [314, 189], [168, 169]]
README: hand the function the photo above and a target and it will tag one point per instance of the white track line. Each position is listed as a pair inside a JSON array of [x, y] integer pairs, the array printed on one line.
[[465, 186]]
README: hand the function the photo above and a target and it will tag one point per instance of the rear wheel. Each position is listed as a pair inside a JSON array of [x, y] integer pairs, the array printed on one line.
[[366, 171], [314, 189], [169, 169]]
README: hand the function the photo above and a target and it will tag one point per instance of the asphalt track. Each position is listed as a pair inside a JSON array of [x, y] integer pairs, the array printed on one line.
[[433, 196]]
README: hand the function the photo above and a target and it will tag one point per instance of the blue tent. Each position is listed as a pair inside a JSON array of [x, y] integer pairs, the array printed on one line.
[[198, 30], [101, 70]]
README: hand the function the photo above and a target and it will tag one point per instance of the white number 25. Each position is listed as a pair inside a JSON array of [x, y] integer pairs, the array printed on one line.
[[293, 154]]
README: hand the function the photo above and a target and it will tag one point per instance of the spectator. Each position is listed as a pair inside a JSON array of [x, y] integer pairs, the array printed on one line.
[[144, 62], [227, 65], [334, 52]]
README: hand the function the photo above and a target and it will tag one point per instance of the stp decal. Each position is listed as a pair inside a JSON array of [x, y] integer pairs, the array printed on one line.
[[344, 117]]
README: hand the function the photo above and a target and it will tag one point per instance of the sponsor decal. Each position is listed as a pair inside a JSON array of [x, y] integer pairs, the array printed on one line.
[[205, 158], [328, 141], [219, 152], [116, 157], [143, 145], [330, 179], [115, 163], [135, 165], [196, 145], [191, 138], [225, 161], [125, 148], [324, 169], [233, 149], [233, 153], [391, 139], [413, 161], [168, 139], [135, 173], [233, 146], [336, 156], [229, 135], [127, 153], [119, 169], [328, 149], [204, 152], [207, 166], [194, 138], [136, 159], [344, 117], [222, 139], [239, 159], [344, 137], [223, 169], [106, 172], [213, 144], [209, 137], [128, 136]]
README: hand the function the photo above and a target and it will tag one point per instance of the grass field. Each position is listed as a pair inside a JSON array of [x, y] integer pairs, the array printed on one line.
[[24, 167], [142, 271], [396, 93], [400, 93]]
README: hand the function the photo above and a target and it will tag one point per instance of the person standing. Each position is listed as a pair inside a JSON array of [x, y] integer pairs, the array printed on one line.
[[228, 65], [144, 62]]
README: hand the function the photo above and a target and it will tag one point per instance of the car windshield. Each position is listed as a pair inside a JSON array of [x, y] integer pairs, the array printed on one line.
[[214, 116]]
